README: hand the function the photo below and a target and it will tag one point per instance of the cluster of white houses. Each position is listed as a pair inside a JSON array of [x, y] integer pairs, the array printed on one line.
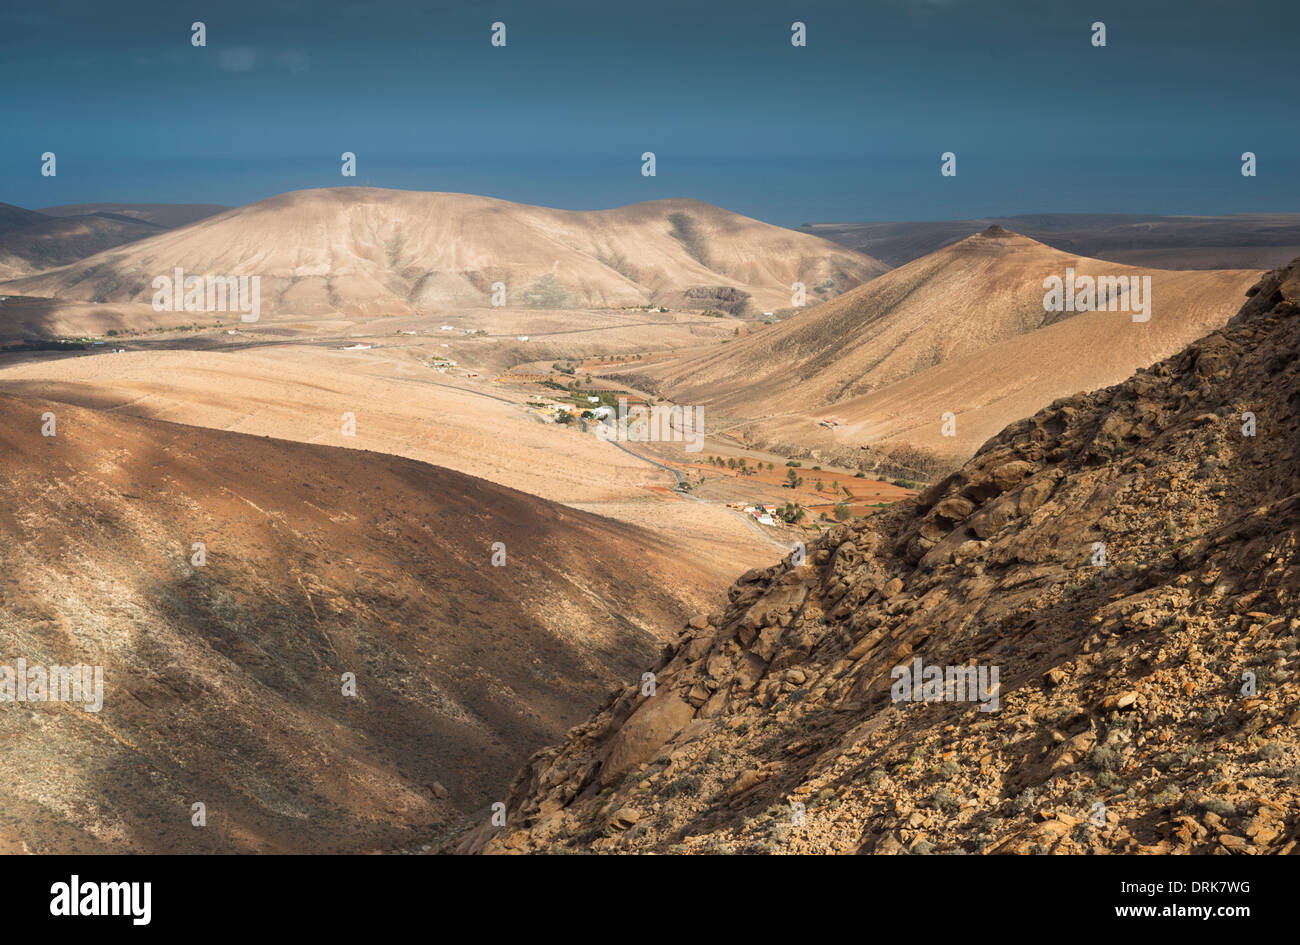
[[550, 409], [440, 364]]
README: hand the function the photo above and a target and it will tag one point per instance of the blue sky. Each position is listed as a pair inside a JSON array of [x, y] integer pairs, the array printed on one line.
[[849, 127]]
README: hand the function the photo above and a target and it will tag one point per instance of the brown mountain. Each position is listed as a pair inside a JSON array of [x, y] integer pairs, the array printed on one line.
[[30, 242], [223, 681], [11, 216], [1126, 560], [1236, 241], [366, 251], [169, 215], [961, 331]]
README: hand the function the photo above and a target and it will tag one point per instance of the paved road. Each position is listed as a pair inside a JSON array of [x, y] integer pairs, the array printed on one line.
[[645, 459], [757, 528], [189, 343]]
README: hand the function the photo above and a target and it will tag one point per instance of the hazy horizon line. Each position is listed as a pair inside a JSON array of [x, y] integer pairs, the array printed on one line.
[[805, 222]]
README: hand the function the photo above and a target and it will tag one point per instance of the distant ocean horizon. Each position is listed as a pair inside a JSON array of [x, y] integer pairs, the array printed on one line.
[[787, 191]]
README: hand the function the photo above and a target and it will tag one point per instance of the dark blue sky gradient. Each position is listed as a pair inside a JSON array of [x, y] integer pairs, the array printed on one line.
[[849, 128]]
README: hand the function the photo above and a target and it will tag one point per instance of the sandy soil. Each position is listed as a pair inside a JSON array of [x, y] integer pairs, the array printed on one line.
[[962, 330], [222, 678], [476, 426]]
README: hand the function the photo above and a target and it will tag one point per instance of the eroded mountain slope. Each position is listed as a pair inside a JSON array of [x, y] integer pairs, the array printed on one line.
[[370, 251], [1146, 700], [223, 677], [960, 331]]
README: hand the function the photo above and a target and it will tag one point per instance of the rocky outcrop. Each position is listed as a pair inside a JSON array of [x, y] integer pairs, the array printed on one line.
[[1109, 591]]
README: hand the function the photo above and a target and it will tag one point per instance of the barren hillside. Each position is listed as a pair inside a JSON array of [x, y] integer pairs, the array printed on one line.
[[1128, 562], [962, 330], [366, 251], [223, 679], [31, 242], [164, 214], [400, 407]]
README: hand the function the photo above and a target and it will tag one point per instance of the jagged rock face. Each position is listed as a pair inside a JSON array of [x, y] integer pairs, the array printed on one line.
[[1126, 560]]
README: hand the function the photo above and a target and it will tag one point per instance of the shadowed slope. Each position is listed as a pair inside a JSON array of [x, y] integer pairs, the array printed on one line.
[[164, 214], [223, 681], [30, 243]]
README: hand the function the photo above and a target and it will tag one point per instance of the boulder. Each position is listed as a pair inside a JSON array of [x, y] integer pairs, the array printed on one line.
[[1034, 495], [954, 508], [647, 730]]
